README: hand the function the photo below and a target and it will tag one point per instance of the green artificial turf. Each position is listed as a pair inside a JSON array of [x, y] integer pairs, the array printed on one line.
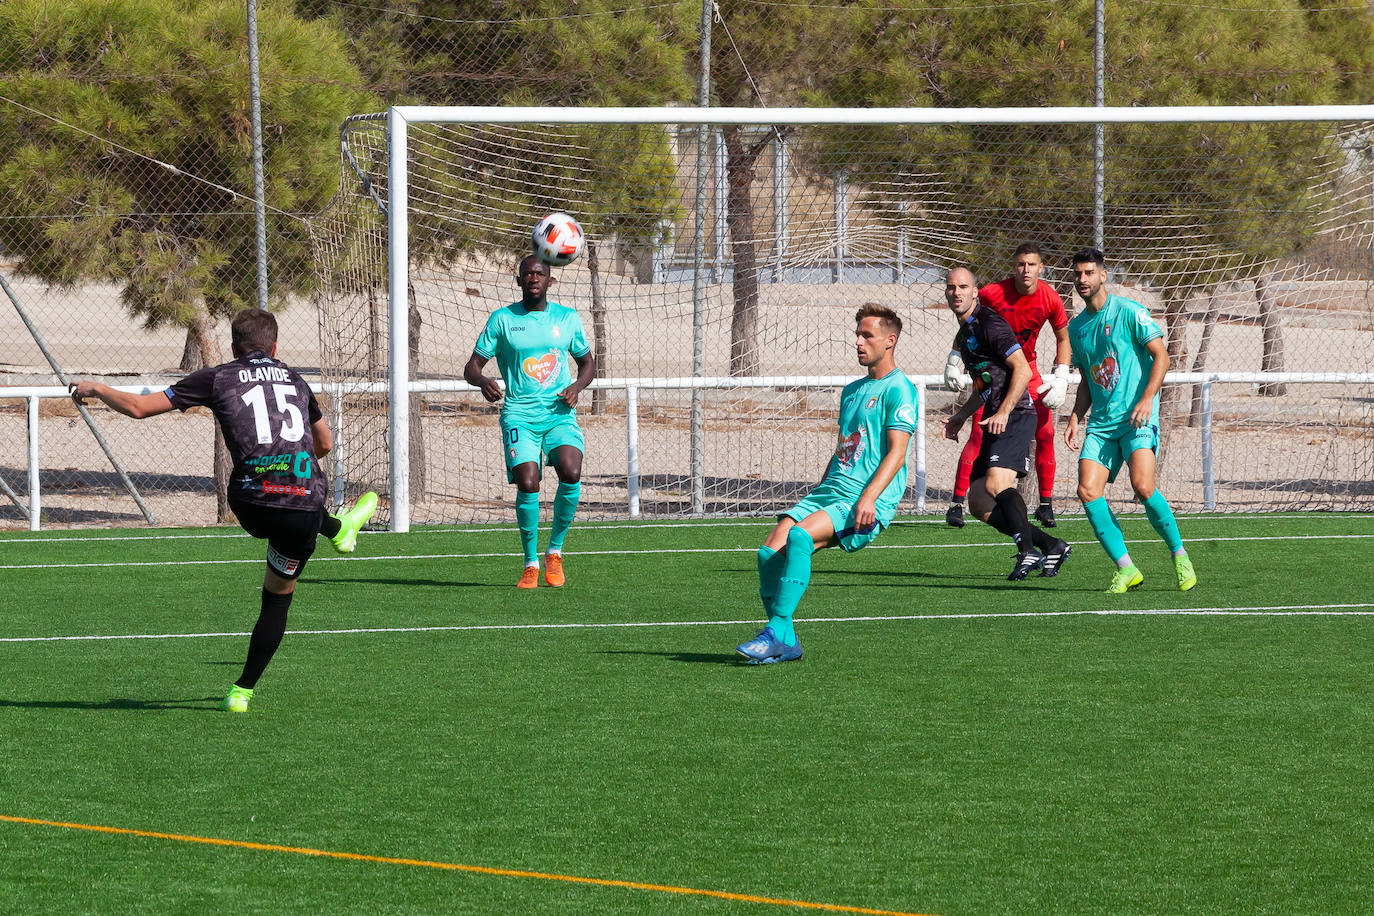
[[976, 746]]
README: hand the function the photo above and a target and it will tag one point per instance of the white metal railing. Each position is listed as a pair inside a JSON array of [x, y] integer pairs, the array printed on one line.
[[632, 387]]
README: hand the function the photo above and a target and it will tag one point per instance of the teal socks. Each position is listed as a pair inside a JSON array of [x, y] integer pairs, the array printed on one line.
[[565, 500], [1107, 528], [1162, 518], [527, 517], [564, 508], [770, 569], [792, 583]]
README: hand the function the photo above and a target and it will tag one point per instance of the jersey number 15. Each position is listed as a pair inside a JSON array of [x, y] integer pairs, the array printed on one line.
[[292, 423]]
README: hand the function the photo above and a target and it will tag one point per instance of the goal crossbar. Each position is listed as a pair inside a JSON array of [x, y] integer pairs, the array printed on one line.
[[396, 207], [876, 116]]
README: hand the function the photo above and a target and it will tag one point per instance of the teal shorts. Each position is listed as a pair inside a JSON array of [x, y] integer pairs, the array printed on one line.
[[1111, 449], [840, 507], [534, 441]]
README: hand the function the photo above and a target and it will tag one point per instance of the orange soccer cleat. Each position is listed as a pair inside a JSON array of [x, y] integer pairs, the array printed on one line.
[[529, 578], [553, 570]]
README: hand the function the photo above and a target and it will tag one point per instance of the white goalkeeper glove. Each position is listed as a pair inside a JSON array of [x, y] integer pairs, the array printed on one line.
[[954, 372], [1054, 391]]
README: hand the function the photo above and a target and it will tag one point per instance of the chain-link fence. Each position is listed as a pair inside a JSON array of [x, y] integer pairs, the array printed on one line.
[[126, 222]]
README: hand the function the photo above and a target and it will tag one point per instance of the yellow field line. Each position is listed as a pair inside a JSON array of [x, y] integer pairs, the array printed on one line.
[[454, 866]]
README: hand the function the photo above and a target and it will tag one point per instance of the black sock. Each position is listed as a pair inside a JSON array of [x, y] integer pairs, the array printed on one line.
[[267, 634], [999, 521], [329, 524], [1013, 512]]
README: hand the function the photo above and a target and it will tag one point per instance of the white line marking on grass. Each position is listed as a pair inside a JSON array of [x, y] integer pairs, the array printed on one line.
[[1282, 610], [639, 552], [761, 520]]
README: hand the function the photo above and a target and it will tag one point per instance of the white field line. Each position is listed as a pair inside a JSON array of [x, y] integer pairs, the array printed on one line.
[[1286, 610], [635, 552], [620, 526]]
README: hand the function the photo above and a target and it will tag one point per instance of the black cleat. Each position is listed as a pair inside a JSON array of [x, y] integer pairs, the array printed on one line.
[[1027, 562], [1054, 558], [1044, 514], [954, 516]]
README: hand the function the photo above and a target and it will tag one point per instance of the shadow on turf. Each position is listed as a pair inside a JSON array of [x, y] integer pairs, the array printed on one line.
[[696, 658], [118, 703], [439, 583], [986, 579]]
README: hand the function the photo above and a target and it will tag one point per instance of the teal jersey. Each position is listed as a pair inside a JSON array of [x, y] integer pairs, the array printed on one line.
[[532, 350], [1109, 349], [868, 408]]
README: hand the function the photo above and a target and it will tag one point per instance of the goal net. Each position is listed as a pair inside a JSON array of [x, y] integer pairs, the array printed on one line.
[[729, 249]]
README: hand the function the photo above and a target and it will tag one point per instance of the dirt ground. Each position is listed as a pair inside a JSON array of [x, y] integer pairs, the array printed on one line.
[[760, 448]]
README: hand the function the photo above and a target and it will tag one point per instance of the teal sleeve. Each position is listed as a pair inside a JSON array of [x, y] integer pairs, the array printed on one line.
[[901, 409], [487, 341], [1146, 328], [579, 346]]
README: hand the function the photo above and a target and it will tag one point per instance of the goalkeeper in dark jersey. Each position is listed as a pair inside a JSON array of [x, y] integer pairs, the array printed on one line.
[[276, 435]]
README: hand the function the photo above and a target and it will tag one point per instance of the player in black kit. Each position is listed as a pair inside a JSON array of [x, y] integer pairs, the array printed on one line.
[[276, 433], [992, 354]]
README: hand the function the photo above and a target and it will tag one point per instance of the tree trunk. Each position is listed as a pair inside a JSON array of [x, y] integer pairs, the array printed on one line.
[[1271, 356], [1176, 344], [601, 347], [744, 321], [419, 467], [1209, 324], [202, 349], [1176, 332]]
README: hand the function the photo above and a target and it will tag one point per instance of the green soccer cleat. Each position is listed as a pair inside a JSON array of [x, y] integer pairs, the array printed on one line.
[[237, 699], [1125, 580], [352, 521], [1184, 567]]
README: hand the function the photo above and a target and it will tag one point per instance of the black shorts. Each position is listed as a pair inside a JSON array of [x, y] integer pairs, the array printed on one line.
[[290, 534], [1010, 450]]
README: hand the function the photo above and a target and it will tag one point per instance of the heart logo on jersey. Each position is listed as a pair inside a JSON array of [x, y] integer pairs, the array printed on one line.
[[541, 369], [1106, 373], [850, 449]]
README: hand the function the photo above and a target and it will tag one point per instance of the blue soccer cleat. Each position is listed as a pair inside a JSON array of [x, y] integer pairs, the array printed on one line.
[[766, 648]]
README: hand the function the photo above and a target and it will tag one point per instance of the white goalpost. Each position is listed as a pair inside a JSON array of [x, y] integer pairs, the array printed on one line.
[[719, 292]]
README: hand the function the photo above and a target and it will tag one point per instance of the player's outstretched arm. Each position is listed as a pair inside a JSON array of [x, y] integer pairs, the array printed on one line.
[[138, 406]]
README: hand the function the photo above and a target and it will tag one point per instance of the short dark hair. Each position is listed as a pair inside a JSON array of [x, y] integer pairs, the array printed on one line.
[[1028, 248], [520, 266], [884, 314], [253, 330], [1084, 255]]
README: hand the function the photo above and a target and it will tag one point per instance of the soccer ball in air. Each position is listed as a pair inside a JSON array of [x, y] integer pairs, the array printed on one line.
[[558, 239]]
